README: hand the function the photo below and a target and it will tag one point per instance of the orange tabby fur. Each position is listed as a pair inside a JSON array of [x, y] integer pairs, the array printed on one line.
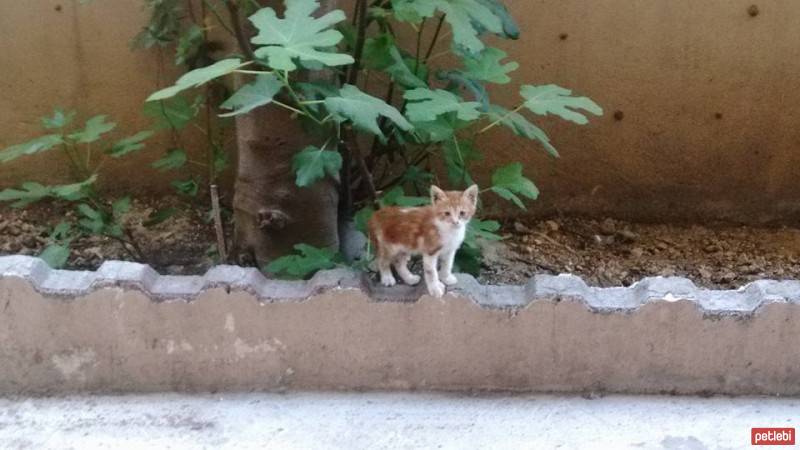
[[435, 232]]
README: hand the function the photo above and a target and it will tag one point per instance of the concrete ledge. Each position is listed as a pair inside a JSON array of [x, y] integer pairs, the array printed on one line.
[[124, 328]]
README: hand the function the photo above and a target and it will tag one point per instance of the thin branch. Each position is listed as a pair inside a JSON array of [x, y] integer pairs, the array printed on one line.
[[502, 118], [435, 38], [238, 31], [419, 45], [220, 231], [352, 141], [352, 76], [214, 11]]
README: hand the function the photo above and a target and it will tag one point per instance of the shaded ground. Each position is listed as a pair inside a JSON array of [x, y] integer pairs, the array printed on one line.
[[387, 421], [614, 253], [182, 245], [603, 252]]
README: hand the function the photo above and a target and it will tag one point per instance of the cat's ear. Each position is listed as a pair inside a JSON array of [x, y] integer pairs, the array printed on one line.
[[471, 194], [437, 195]]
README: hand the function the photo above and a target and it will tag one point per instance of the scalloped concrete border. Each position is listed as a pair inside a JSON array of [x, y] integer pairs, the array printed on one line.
[[124, 328]]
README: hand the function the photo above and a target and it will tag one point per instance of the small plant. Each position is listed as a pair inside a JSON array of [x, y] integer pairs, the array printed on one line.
[[417, 112], [182, 24], [87, 150]]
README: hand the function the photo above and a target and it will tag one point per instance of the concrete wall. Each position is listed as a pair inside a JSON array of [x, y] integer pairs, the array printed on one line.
[[60, 53], [124, 328], [707, 109]]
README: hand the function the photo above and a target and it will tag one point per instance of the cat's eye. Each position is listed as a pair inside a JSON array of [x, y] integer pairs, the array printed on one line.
[[447, 213]]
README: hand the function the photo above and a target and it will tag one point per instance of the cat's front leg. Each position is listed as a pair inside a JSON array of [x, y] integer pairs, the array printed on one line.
[[435, 287], [446, 272]]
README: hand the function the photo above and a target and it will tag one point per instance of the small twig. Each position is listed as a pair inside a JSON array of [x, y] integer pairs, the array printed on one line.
[[210, 7], [355, 149], [435, 38], [221, 249], [238, 31], [361, 8], [555, 242]]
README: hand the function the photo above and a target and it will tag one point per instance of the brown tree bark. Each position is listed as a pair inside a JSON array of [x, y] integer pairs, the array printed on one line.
[[271, 213]]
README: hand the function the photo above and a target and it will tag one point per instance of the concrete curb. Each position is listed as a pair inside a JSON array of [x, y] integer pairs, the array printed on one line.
[[72, 284], [125, 328]]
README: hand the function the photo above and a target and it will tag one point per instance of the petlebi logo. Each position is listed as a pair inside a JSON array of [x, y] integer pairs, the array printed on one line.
[[772, 436]]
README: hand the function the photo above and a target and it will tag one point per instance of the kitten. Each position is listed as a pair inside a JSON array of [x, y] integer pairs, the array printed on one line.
[[436, 232]]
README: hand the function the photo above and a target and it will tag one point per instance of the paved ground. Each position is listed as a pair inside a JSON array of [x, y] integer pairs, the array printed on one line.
[[382, 421]]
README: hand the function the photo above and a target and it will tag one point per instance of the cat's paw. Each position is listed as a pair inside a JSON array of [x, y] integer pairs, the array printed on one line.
[[388, 280], [449, 279], [411, 280], [436, 289]]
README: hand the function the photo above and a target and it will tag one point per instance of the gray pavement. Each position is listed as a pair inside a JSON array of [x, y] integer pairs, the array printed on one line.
[[387, 421]]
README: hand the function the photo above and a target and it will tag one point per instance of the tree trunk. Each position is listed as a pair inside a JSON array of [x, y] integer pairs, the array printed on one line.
[[271, 213]]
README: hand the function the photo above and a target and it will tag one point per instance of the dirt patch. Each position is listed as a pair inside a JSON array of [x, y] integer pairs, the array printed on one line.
[[182, 245], [617, 253], [604, 252]]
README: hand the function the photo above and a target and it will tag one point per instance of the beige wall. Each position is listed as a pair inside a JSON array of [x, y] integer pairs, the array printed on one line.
[[61, 53], [706, 90]]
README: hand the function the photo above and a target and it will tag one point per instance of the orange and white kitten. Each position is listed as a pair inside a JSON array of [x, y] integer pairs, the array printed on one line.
[[435, 232]]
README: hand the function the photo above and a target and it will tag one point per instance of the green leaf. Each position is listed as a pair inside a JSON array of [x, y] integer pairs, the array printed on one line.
[[468, 260], [220, 161], [426, 105], [198, 77], [74, 191], [417, 176], [30, 192], [363, 110], [521, 127], [173, 113], [58, 120], [458, 155], [439, 130], [61, 231], [552, 99], [486, 66], [90, 212], [159, 216], [121, 206], [95, 127], [93, 226], [40, 144], [396, 197], [94, 220], [483, 229], [362, 217], [189, 45], [313, 163], [130, 144], [250, 96], [458, 79], [467, 18], [164, 24], [174, 159], [309, 260], [186, 187], [381, 53], [508, 181], [510, 27], [299, 35], [55, 255]]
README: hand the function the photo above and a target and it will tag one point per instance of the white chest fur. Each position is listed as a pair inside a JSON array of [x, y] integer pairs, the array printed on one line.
[[452, 237]]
